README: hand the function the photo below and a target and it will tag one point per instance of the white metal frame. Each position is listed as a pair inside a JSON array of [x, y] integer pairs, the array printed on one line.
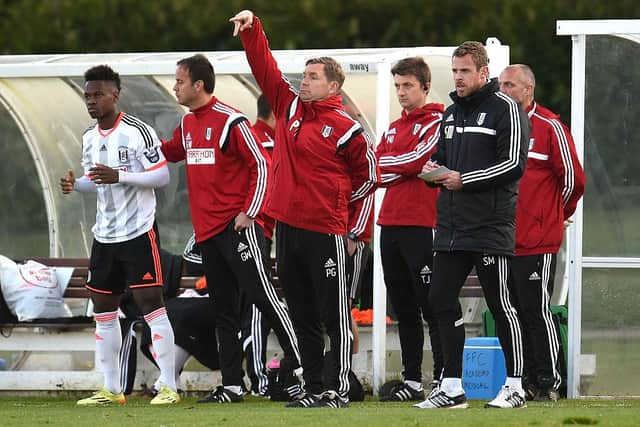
[[579, 30], [34, 339]]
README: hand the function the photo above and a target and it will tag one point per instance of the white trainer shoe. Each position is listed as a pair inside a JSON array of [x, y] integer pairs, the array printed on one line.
[[508, 398], [440, 399]]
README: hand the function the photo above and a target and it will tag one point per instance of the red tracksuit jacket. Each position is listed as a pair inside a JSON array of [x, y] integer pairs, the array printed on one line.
[[266, 137], [551, 186], [322, 160], [364, 227], [227, 167], [265, 134], [402, 152]]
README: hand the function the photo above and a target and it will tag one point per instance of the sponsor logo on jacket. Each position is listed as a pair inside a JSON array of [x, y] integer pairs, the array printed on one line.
[[201, 156], [326, 131]]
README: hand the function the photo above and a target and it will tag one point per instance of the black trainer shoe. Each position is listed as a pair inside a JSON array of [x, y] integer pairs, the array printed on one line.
[[330, 399], [304, 402], [243, 389], [148, 392], [530, 391], [440, 399], [403, 392], [294, 386], [546, 390], [547, 394], [295, 392], [222, 395], [260, 394]]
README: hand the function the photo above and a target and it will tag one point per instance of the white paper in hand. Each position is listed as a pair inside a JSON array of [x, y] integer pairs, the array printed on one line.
[[434, 174]]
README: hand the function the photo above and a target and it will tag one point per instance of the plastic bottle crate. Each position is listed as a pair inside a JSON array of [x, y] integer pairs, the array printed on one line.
[[483, 367]]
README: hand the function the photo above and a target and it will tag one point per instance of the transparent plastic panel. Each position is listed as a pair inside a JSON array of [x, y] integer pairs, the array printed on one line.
[[23, 217], [610, 332], [359, 90], [612, 148], [144, 98], [54, 118], [233, 90], [238, 93]]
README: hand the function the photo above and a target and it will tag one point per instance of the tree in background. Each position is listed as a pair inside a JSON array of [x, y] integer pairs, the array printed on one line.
[[84, 26]]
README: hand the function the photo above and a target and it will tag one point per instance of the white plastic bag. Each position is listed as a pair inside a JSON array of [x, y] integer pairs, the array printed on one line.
[[32, 290]]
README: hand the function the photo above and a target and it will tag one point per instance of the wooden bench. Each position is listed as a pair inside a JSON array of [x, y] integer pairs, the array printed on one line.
[[77, 336], [76, 289]]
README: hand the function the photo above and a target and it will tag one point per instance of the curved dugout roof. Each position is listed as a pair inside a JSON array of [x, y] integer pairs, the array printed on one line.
[[43, 118]]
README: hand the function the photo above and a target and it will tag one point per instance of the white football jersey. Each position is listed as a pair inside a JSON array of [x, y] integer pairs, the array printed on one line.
[[124, 211]]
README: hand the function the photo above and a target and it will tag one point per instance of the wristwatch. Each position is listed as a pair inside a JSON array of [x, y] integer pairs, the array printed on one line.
[[352, 236]]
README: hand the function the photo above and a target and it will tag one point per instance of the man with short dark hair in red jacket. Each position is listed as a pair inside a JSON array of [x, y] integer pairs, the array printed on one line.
[[228, 180], [322, 163], [407, 218], [550, 188]]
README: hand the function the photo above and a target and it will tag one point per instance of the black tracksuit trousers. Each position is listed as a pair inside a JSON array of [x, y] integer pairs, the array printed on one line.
[[450, 270], [312, 271], [532, 277], [407, 261], [234, 261]]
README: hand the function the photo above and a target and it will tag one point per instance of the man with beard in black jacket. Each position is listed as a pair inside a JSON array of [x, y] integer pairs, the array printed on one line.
[[480, 158]]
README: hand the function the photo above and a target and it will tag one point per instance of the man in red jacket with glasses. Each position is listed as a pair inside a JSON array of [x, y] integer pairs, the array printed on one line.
[[322, 163]]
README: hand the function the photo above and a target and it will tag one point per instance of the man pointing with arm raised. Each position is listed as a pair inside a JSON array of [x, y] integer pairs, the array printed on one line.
[[323, 162]]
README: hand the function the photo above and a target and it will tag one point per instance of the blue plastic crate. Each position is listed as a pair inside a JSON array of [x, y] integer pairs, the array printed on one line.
[[483, 367]]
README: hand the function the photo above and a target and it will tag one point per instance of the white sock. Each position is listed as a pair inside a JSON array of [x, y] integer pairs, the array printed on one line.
[[414, 385], [514, 383], [108, 342], [452, 386], [163, 343], [182, 356]]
